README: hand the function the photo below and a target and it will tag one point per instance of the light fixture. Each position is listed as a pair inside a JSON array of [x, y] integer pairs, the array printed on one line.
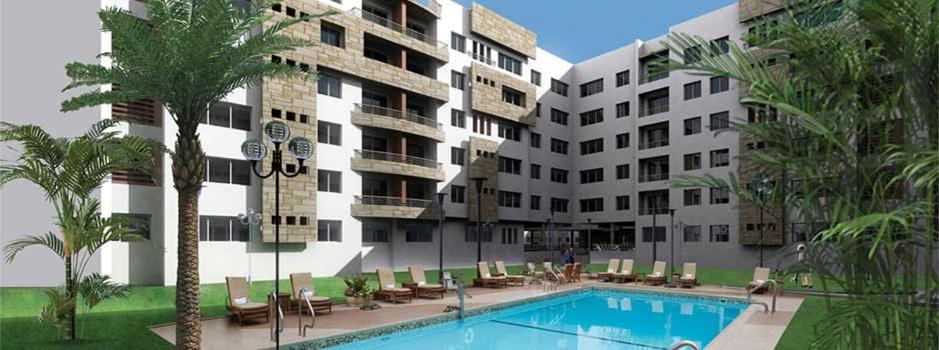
[[277, 131], [253, 150], [301, 148]]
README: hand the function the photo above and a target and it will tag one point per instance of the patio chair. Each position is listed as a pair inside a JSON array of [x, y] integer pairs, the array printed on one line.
[[501, 271], [611, 267], [532, 272], [422, 287], [575, 275], [689, 277], [239, 302], [547, 270], [626, 273], [760, 277], [485, 278], [388, 289], [568, 272], [657, 276], [302, 282]]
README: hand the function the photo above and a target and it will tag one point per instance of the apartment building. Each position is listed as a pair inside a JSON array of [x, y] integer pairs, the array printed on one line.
[[418, 98]]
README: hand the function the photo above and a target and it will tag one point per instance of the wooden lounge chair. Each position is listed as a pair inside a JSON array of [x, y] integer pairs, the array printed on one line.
[[626, 273], [547, 270], [239, 302], [566, 275], [611, 267], [486, 279], [501, 271], [302, 282], [532, 272], [575, 275], [760, 277], [388, 288], [689, 277], [422, 287], [657, 276]]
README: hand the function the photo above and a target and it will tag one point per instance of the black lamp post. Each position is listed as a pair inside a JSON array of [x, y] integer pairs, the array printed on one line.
[[589, 243], [762, 186], [479, 216], [255, 150], [655, 239], [671, 256], [440, 197], [551, 232]]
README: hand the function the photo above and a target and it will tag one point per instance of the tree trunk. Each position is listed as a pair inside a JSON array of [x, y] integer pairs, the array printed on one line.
[[188, 170], [70, 292]]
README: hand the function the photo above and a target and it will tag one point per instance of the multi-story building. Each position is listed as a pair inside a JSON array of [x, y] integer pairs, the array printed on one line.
[[420, 97]]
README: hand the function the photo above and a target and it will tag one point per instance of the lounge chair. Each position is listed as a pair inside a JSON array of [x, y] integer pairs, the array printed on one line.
[[689, 277], [501, 271], [422, 287], [657, 276], [760, 277], [566, 273], [611, 267], [547, 269], [575, 275], [388, 288], [532, 272], [486, 279], [302, 282], [239, 302], [626, 273]]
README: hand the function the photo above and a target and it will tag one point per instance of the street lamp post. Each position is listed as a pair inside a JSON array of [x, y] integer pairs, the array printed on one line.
[[254, 150], [589, 243], [762, 186], [551, 232], [440, 197], [655, 239], [671, 255], [479, 217]]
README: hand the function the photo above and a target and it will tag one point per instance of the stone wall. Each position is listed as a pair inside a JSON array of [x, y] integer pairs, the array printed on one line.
[[486, 90], [749, 213], [395, 211], [379, 121], [485, 22], [484, 162], [749, 9], [395, 168]]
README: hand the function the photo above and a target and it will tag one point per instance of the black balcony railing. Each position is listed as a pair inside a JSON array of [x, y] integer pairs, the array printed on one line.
[[397, 158], [393, 113], [395, 201]]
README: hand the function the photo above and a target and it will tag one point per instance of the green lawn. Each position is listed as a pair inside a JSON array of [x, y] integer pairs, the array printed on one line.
[[122, 323]]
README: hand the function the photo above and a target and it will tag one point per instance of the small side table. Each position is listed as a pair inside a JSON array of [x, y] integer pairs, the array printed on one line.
[[412, 286], [284, 301]]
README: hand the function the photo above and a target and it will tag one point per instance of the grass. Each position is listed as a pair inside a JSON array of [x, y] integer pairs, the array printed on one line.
[[123, 323]]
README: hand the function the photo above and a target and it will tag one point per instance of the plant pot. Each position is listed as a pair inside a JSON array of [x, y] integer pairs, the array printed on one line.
[[355, 301]]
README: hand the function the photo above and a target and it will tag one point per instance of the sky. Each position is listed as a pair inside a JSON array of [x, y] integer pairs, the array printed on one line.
[[577, 30]]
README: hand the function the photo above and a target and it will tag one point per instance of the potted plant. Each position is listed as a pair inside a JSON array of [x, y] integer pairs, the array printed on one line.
[[357, 291]]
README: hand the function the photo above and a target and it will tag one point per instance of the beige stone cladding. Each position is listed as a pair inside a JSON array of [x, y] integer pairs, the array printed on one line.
[[750, 9], [484, 162], [385, 122], [486, 90], [395, 211], [780, 70], [396, 168], [749, 213], [485, 22]]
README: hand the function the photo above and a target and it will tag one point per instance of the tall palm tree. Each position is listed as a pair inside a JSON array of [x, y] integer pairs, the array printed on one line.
[[844, 95], [189, 55], [69, 171]]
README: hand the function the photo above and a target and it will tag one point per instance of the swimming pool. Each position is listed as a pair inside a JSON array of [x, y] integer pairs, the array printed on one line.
[[586, 320]]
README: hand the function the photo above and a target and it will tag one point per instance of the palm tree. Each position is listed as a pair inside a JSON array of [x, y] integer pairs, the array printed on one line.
[[189, 55], [844, 95], [69, 171]]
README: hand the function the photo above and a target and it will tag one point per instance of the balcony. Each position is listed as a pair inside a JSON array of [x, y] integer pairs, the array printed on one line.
[[394, 207], [387, 118], [395, 32], [650, 211], [652, 177], [397, 164], [654, 143]]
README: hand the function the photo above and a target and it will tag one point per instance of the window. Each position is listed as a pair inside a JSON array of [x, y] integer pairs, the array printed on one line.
[[329, 85], [228, 171], [510, 64], [329, 181], [622, 171], [457, 194], [591, 146], [720, 121], [535, 170], [513, 96], [720, 195], [693, 126], [559, 175], [591, 176], [510, 165], [510, 199], [138, 224], [622, 202], [558, 146], [692, 197], [538, 109], [591, 88], [330, 133], [718, 85], [332, 34], [457, 156], [418, 232], [535, 140], [591, 205], [535, 202], [458, 118], [654, 67], [536, 77], [509, 235], [222, 229], [457, 42], [622, 78], [622, 109], [720, 233], [559, 116], [692, 233], [559, 87], [229, 115], [329, 231], [622, 140], [720, 158], [471, 234], [659, 234], [693, 90], [653, 102], [720, 45], [591, 117], [374, 231], [457, 80], [510, 132], [692, 54], [559, 205], [693, 161], [482, 53]]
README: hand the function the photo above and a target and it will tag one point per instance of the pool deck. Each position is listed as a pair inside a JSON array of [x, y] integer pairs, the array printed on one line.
[[753, 329]]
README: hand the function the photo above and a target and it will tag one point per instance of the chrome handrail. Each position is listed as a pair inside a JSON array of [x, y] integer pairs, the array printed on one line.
[[395, 26], [397, 158], [280, 315], [394, 113], [773, 285], [685, 343], [394, 201], [301, 328]]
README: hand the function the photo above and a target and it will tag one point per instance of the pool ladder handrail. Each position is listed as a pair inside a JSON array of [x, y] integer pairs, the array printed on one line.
[[685, 343], [460, 293], [773, 288], [279, 315], [301, 328]]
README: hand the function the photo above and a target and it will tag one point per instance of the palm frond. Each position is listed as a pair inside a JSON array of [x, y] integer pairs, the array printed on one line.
[[49, 240]]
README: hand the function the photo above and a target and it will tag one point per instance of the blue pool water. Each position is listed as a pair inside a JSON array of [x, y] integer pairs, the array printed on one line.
[[591, 320]]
